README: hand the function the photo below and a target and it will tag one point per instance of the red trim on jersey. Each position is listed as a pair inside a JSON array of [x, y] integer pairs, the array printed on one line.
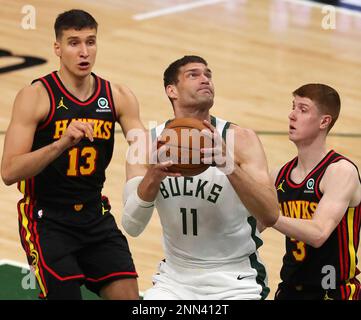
[[345, 247], [74, 99], [343, 293], [41, 258], [339, 234], [115, 274], [52, 104], [280, 175], [36, 243], [295, 185], [22, 229], [317, 183], [355, 227], [110, 99]]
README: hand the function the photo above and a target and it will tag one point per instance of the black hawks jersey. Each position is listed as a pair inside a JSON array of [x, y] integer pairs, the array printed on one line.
[[306, 265], [78, 174]]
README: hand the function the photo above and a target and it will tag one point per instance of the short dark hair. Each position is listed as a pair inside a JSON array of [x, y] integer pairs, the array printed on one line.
[[170, 75], [74, 19], [325, 97]]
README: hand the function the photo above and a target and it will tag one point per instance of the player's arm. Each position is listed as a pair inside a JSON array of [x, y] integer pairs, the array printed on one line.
[[31, 106], [273, 175], [126, 109], [141, 189], [341, 188], [251, 179], [247, 170]]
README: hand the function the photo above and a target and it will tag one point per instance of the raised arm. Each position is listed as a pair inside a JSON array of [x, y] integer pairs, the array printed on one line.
[[341, 188]]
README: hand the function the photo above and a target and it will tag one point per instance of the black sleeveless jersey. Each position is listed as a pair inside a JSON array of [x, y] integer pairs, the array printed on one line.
[[306, 265], [78, 174]]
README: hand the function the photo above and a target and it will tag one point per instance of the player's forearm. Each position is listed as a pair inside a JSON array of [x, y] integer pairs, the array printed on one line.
[[259, 199], [307, 231], [30, 164]]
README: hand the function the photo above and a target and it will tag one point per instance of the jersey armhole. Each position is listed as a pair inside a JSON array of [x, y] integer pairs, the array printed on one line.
[[50, 115], [108, 90]]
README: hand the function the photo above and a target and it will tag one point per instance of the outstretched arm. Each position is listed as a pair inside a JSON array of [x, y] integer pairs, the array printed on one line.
[[341, 189]]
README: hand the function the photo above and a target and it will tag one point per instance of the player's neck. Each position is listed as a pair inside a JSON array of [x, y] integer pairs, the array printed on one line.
[[309, 156], [197, 114], [80, 87]]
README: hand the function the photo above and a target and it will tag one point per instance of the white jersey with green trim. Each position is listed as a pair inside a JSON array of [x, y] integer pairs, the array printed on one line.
[[204, 222]]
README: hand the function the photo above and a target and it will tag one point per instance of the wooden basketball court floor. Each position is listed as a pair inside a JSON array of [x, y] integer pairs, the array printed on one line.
[[259, 51]]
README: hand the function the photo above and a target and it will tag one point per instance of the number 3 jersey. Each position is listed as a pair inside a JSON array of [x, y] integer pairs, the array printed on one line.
[[78, 174], [204, 222], [304, 264]]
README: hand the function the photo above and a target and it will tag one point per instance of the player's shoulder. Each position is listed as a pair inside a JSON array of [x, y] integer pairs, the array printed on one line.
[[35, 93], [243, 135], [342, 168], [121, 90]]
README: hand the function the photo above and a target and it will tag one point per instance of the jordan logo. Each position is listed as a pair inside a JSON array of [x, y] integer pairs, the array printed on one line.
[[326, 297], [61, 104], [280, 186]]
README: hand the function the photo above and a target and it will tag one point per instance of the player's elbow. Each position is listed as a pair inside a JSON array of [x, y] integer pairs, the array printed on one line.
[[7, 178], [270, 219], [132, 228], [318, 240]]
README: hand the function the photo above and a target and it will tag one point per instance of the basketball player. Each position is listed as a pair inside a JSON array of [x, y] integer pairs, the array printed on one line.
[[319, 194], [209, 220], [57, 147]]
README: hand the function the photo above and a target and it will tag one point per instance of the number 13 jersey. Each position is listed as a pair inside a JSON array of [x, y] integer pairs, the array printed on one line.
[[78, 174]]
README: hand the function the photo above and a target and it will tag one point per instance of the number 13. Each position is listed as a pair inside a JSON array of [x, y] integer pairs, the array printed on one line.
[[90, 155]]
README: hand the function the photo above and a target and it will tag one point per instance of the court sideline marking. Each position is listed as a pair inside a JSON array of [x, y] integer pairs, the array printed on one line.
[[202, 3], [175, 9]]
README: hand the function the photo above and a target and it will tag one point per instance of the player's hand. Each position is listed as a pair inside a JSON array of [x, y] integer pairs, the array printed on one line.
[[159, 162], [76, 131], [220, 155]]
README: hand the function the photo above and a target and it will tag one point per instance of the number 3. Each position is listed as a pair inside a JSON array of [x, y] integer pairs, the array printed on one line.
[[300, 252], [90, 155]]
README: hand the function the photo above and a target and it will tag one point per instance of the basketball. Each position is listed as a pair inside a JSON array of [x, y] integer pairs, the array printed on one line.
[[184, 139]]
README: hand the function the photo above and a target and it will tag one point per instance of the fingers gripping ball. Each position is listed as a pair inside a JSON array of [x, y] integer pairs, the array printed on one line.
[[184, 140]]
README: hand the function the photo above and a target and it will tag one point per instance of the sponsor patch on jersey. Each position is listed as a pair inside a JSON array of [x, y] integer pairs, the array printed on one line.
[[310, 185], [103, 105]]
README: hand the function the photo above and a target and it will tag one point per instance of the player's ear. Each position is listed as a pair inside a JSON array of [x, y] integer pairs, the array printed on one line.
[[171, 91], [325, 121], [57, 48]]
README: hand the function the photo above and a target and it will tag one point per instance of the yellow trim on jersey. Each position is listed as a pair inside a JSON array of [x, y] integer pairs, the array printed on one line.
[[351, 248], [22, 186], [34, 253], [352, 290]]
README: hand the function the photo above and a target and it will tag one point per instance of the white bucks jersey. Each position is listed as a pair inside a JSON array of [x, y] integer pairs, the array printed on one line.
[[204, 222]]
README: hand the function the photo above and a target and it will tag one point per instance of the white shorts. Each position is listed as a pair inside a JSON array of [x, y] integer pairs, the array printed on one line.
[[238, 281]]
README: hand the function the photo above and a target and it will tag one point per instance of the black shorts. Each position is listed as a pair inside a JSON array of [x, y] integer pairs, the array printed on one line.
[[79, 243], [299, 292]]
